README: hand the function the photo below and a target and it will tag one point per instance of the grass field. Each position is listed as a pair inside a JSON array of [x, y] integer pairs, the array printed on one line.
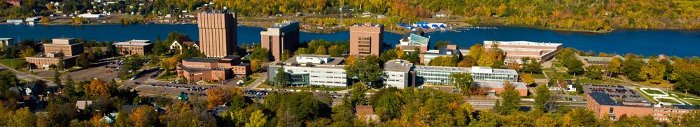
[[650, 91], [667, 100], [13, 63]]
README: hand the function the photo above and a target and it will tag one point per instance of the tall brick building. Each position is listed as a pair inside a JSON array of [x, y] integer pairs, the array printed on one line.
[[366, 39], [217, 33], [280, 37]]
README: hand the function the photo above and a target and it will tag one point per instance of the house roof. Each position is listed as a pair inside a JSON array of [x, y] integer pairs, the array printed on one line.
[[364, 110]]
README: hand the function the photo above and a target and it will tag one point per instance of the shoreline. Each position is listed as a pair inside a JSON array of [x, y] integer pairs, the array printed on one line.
[[263, 25]]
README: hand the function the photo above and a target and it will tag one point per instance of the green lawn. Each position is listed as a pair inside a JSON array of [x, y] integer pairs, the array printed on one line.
[[13, 63], [650, 91]]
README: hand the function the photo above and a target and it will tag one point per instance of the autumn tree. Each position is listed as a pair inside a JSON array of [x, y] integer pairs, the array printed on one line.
[[527, 79], [652, 72], [463, 82], [511, 99], [542, 94], [579, 117], [98, 88], [220, 95], [467, 61], [366, 70], [257, 119], [144, 116], [27, 52], [594, 72], [614, 67]]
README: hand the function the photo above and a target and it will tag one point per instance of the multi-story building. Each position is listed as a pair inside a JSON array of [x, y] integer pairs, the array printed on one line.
[[366, 39], [614, 102], [68, 46], [212, 69], [134, 47], [60, 48], [5, 42], [280, 37], [440, 75], [490, 74], [397, 73], [516, 50], [414, 41], [217, 33], [447, 51], [496, 87], [321, 70]]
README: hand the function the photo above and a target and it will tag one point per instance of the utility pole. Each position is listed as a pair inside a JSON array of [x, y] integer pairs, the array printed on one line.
[[342, 2]]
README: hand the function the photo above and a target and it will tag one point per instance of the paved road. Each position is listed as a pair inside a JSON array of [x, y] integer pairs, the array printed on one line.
[[28, 77], [261, 78]]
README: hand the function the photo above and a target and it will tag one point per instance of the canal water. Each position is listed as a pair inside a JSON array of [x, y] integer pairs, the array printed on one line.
[[646, 42]]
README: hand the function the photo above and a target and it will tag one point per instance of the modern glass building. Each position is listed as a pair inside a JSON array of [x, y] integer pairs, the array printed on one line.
[[440, 75]]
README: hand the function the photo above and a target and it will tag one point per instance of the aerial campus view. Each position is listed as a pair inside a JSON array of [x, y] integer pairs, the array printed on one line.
[[350, 63]]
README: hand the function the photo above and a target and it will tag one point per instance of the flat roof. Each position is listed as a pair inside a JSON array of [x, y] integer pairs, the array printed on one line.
[[334, 60], [134, 43], [398, 65], [443, 68], [494, 84], [603, 99], [523, 43], [202, 59], [283, 24]]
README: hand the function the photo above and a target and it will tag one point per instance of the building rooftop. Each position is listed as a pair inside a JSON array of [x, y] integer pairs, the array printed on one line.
[[202, 59], [414, 40], [5, 39], [623, 95], [603, 99], [315, 60], [528, 43], [134, 43], [368, 25], [443, 68], [398, 65], [492, 84], [478, 69]]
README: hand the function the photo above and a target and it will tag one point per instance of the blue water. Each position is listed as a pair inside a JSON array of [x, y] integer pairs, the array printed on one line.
[[646, 42]]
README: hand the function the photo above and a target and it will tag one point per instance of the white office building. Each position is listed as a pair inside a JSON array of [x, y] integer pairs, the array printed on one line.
[[440, 75], [321, 70], [397, 73]]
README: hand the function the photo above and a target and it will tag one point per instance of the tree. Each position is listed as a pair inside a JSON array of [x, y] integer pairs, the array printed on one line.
[[357, 94], [440, 44], [389, 54], [615, 66], [579, 117], [531, 66], [61, 64], [595, 72], [257, 119], [476, 51], [467, 61], [57, 78], [689, 119], [281, 77], [527, 79], [631, 68], [511, 99], [27, 52], [321, 51], [652, 72], [82, 60], [542, 94], [98, 88], [463, 82], [387, 104], [219, 95], [286, 54], [20, 118], [144, 116], [366, 70]]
